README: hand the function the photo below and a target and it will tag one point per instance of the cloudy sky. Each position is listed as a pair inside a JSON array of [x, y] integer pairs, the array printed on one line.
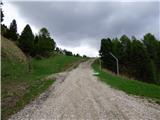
[[79, 26]]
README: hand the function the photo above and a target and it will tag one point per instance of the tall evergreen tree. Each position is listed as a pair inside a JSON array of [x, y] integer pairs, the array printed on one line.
[[26, 40], [45, 44], [152, 47], [2, 15], [106, 48], [150, 43], [158, 57], [126, 44], [151, 72], [13, 30], [36, 46], [138, 61]]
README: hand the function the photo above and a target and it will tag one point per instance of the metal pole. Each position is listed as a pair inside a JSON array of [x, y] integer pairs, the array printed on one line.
[[116, 62]]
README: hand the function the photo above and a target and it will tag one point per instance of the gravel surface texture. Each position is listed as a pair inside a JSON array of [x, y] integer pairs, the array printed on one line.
[[79, 95]]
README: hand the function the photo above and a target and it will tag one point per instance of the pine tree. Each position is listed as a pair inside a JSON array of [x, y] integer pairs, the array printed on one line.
[[26, 40], [45, 44], [2, 15], [151, 72], [13, 31], [107, 59]]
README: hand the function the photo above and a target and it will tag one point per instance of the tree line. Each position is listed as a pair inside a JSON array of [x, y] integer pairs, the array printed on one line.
[[139, 59], [38, 46], [32, 45]]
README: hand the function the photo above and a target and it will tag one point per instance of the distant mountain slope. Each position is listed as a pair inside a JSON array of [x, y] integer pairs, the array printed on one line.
[[11, 51]]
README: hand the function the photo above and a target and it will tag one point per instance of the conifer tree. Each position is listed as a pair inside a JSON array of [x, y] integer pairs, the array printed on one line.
[[26, 40], [13, 31]]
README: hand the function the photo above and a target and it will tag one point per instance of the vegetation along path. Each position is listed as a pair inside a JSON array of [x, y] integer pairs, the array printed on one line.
[[78, 94]]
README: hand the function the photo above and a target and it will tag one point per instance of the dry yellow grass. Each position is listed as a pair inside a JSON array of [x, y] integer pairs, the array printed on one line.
[[10, 50]]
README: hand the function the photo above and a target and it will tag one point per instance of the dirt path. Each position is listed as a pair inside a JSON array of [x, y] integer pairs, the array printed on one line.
[[78, 95]]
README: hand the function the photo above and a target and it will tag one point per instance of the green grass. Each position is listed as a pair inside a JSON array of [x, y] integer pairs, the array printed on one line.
[[52, 65], [127, 85], [19, 86]]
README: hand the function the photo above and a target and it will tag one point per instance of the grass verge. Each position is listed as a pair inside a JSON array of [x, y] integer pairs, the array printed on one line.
[[127, 85], [19, 87]]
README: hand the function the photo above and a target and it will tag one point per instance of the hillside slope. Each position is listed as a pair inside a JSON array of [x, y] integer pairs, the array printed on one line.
[[127, 85], [19, 86], [11, 51]]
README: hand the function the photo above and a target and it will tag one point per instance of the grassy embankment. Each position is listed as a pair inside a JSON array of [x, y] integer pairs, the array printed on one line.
[[19, 86], [127, 85]]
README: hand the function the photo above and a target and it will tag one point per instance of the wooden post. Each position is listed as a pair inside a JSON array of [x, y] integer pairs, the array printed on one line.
[[100, 64], [29, 63]]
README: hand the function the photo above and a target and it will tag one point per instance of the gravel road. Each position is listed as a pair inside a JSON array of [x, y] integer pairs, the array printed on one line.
[[79, 95]]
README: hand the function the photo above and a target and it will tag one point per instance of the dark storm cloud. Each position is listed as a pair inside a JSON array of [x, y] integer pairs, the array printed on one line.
[[72, 23]]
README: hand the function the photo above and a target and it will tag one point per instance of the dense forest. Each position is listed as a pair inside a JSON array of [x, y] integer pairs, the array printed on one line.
[[139, 59]]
